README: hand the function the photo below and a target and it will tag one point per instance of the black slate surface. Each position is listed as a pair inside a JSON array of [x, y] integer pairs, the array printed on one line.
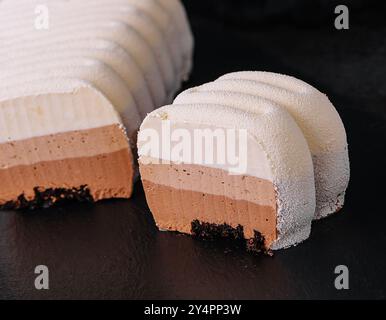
[[112, 250]]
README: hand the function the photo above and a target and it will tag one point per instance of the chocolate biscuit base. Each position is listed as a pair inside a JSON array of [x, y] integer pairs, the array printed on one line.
[[48, 198], [209, 231]]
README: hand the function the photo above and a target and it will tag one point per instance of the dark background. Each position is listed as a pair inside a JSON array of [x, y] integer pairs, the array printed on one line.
[[113, 250]]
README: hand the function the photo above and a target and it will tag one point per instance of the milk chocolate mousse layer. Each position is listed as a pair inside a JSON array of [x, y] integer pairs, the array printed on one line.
[[98, 160], [179, 194]]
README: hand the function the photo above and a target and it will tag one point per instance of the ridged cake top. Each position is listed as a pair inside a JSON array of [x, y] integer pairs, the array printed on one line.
[[134, 52], [311, 109]]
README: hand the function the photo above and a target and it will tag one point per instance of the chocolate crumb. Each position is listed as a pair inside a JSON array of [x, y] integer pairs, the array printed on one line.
[[45, 198], [256, 244], [210, 231]]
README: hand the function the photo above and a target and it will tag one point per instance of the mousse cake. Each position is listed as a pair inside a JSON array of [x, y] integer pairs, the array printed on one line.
[[264, 194], [73, 95], [292, 163]]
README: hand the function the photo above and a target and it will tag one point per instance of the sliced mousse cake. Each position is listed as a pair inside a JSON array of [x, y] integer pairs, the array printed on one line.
[[312, 111], [219, 170], [72, 95]]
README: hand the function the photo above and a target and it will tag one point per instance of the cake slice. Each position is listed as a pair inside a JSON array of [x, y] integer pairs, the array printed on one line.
[[218, 170], [72, 96], [314, 114]]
